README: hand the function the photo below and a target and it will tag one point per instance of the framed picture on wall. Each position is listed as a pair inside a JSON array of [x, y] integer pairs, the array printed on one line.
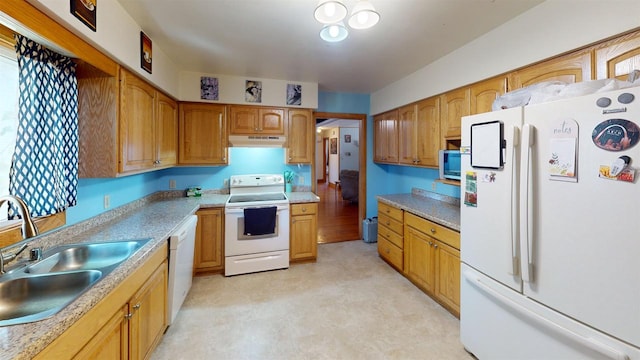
[[85, 11], [208, 88], [146, 55], [347, 138], [333, 146], [253, 91]]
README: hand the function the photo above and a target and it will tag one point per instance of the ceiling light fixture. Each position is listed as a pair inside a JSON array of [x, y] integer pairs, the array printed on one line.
[[334, 32], [363, 15], [332, 12]]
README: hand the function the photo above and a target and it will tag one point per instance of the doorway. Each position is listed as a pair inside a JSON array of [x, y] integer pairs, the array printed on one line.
[[340, 219]]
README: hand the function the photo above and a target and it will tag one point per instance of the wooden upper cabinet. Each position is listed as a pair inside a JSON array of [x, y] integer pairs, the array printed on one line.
[[484, 93], [271, 121], [385, 137], [428, 131], [301, 136], [571, 68], [251, 120], [453, 106], [407, 135], [137, 124], [166, 131], [203, 134], [618, 57]]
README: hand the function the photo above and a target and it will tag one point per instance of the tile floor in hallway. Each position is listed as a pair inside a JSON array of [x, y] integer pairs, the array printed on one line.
[[348, 305]]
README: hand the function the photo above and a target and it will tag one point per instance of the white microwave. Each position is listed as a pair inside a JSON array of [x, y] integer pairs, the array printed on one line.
[[449, 164]]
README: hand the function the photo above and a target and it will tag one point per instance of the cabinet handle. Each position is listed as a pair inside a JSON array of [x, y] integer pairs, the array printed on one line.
[[293, 221], [388, 223], [128, 316], [430, 243], [290, 158], [388, 251], [224, 158], [304, 209], [388, 211], [435, 246], [136, 306], [433, 231]]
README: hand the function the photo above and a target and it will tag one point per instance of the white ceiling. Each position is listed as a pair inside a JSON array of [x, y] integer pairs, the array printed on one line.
[[278, 39]]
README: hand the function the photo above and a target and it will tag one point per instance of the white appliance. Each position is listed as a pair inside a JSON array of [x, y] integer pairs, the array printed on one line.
[[181, 248], [256, 224], [549, 248]]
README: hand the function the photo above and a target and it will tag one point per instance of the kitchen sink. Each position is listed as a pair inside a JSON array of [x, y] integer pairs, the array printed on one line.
[[37, 290], [36, 297], [94, 256]]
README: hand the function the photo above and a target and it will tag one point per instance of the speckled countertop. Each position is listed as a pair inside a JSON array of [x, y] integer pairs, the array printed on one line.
[[156, 217], [441, 209]]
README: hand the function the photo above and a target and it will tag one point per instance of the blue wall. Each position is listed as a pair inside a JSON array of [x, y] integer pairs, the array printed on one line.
[[123, 190], [241, 161]]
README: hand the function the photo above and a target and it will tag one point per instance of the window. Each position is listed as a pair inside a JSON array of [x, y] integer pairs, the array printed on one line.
[[8, 118]]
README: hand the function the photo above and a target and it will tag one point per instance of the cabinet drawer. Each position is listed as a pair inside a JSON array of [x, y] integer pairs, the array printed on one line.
[[390, 211], [391, 236], [439, 232], [394, 225], [390, 252], [304, 209]]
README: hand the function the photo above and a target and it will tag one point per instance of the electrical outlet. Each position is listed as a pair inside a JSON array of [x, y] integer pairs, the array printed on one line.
[[107, 201], [433, 185], [172, 184], [301, 180], [226, 183]]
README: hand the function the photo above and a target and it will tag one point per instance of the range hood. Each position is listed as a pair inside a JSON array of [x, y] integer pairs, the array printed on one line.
[[257, 140]]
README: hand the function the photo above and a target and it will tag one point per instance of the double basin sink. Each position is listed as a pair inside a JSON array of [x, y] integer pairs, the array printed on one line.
[[37, 290]]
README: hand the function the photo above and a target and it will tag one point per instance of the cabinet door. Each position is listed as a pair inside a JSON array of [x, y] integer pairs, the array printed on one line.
[[111, 342], [300, 137], [386, 137], [209, 250], [448, 277], [407, 132], [203, 136], [243, 120], [572, 68], [428, 131], [484, 93], [454, 105], [149, 314], [137, 123], [419, 258], [618, 57], [303, 232], [166, 131], [271, 121]]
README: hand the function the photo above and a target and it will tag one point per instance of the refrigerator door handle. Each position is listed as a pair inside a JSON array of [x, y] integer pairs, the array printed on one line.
[[515, 258], [587, 342], [526, 201]]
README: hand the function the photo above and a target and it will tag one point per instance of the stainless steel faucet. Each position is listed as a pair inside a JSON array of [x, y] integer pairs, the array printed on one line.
[[6, 259], [29, 229]]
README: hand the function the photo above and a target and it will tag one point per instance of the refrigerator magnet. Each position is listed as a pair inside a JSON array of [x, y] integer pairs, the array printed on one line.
[[470, 189], [563, 151], [615, 134]]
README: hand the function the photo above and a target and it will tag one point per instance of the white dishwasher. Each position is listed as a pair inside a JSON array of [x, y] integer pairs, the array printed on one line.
[[181, 248]]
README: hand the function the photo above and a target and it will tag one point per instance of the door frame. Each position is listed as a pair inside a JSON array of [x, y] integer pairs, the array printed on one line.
[[362, 178]]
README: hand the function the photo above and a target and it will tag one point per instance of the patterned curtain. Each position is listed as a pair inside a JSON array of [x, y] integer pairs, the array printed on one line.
[[44, 169]]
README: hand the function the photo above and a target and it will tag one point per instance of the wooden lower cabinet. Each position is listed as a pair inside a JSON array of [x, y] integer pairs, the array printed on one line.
[[390, 237], [420, 259], [127, 323], [303, 232], [209, 247], [426, 253], [431, 260], [112, 341]]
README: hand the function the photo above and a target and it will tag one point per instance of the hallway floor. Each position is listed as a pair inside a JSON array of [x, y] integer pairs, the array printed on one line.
[[348, 305], [337, 218]]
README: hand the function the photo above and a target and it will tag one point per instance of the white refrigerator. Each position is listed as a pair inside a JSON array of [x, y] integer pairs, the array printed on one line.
[[550, 238]]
